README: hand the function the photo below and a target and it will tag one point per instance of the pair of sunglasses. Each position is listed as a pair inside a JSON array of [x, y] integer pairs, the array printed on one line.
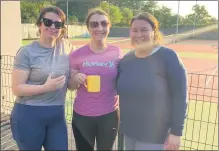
[[95, 24], [48, 23]]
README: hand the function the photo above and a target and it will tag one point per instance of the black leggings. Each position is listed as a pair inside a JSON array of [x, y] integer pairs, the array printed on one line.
[[104, 128]]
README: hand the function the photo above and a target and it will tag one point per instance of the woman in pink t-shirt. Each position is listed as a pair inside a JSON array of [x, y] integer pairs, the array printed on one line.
[[96, 114]]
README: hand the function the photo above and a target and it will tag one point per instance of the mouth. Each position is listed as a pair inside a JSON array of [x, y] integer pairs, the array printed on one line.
[[52, 32], [140, 41], [99, 34]]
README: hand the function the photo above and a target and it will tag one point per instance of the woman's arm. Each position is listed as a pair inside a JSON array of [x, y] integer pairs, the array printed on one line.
[[72, 83], [177, 81], [19, 86]]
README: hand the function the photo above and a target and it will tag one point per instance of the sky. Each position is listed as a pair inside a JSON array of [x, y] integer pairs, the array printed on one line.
[[186, 6]]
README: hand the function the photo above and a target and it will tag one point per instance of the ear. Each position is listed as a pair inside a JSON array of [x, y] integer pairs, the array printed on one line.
[[110, 26]]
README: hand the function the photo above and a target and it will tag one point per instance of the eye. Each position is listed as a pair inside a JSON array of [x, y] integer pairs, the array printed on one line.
[[144, 30], [134, 30]]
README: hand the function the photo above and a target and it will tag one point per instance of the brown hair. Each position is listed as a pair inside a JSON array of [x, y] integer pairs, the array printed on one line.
[[55, 10], [158, 36], [93, 12]]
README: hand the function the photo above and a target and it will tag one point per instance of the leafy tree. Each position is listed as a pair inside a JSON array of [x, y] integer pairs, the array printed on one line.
[[73, 19], [150, 7], [30, 9], [78, 8], [164, 16], [126, 16], [199, 15], [113, 11]]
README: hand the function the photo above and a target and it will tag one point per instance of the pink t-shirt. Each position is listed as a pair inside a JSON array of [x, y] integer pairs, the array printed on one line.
[[104, 64]]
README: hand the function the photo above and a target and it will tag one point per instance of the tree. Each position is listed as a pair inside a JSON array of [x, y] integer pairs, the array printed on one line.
[[30, 10], [133, 5], [164, 16], [73, 19], [126, 16], [199, 15], [78, 8], [113, 11], [150, 7]]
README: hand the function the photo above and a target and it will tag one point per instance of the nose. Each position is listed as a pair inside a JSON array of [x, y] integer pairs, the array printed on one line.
[[52, 26], [100, 27], [138, 34]]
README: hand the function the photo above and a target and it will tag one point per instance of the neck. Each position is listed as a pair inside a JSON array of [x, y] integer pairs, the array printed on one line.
[[140, 53], [98, 46], [47, 43]]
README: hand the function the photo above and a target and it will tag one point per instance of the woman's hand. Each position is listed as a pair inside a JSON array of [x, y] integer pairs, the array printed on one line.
[[54, 84], [172, 142], [80, 78]]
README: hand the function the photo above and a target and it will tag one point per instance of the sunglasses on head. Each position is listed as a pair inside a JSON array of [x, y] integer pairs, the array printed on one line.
[[95, 24], [48, 23]]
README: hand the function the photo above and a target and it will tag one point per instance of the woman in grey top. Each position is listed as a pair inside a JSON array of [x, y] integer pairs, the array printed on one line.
[[152, 87], [39, 78]]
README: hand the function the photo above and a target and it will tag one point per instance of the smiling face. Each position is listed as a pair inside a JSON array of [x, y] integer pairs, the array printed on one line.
[[98, 27], [141, 32], [51, 26]]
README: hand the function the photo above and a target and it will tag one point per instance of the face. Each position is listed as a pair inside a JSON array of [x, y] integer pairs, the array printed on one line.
[[51, 26], [141, 33], [99, 27]]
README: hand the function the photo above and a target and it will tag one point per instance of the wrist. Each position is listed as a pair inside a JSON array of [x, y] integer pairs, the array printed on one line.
[[75, 79], [176, 132], [43, 88]]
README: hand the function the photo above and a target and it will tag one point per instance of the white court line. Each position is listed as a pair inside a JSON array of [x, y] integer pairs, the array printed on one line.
[[209, 79]]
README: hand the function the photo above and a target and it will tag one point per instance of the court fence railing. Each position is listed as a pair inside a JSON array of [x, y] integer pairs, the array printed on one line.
[[201, 124]]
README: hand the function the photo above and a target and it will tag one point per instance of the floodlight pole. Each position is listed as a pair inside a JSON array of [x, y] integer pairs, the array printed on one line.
[[177, 20]]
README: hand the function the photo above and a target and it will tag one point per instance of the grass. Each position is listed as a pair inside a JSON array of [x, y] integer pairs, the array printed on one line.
[[201, 126]]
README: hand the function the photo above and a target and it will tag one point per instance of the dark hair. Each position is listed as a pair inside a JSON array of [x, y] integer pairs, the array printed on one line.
[[93, 12], [55, 10], [158, 37]]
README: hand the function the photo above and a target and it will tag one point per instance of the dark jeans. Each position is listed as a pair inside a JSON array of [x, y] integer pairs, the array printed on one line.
[[102, 128], [36, 126]]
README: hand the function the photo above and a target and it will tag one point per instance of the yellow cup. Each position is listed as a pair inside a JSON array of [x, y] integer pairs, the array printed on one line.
[[93, 83]]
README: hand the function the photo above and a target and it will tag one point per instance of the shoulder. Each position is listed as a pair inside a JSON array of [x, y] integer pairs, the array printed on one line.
[[128, 56], [113, 47], [116, 49], [168, 53], [25, 50], [171, 57], [78, 51]]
